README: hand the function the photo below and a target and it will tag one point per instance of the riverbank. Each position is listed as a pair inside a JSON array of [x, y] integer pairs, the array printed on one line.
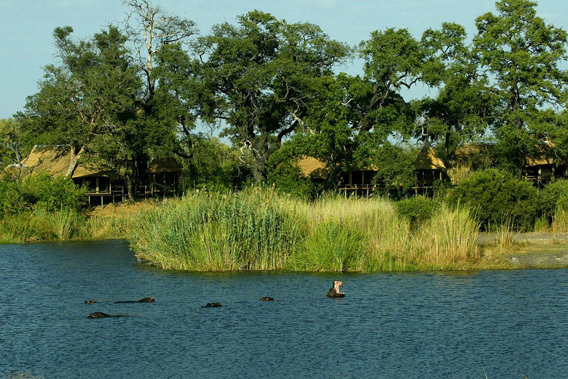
[[266, 231], [528, 250]]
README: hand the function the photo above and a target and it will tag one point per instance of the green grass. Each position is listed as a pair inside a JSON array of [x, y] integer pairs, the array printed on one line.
[[64, 225], [258, 229]]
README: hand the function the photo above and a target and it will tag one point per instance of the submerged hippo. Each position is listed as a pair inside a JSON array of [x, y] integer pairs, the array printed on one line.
[[144, 300], [101, 315], [266, 298], [212, 305], [334, 291], [90, 301]]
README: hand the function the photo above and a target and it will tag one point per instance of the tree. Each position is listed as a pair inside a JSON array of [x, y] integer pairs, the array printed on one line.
[[149, 30], [263, 73], [89, 102], [523, 56], [153, 34], [11, 144], [463, 106], [393, 61]]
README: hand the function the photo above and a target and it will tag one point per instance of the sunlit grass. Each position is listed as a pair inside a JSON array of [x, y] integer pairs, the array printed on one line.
[[260, 230]]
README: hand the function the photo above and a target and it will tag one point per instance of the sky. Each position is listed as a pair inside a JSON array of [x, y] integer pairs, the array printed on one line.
[[27, 44]]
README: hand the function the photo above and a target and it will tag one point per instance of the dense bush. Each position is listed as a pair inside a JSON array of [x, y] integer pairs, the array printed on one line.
[[287, 178], [53, 194], [40, 192], [11, 199], [498, 198], [554, 197], [416, 209]]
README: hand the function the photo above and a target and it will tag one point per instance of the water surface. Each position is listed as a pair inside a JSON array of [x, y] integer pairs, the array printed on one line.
[[499, 324]]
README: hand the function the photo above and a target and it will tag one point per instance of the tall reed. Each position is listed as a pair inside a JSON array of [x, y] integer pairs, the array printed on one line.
[[258, 229], [447, 239], [64, 225], [213, 231], [560, 221]]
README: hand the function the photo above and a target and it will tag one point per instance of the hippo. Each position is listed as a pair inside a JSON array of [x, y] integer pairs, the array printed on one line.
[[212, 305], [90, 301], [266, 298], [334, 291], [101, 315], [144, 300]]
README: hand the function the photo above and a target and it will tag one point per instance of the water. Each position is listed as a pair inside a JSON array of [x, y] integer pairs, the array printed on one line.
[[499, 324]]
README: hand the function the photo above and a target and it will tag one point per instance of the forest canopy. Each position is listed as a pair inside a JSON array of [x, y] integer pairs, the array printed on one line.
[[273, 91]]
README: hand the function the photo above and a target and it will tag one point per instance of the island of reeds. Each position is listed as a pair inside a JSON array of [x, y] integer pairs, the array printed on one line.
[[261, 230]]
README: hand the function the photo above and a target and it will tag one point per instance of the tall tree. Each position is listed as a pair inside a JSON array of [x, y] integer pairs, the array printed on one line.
[[523, 56], [393, 61], [151, 32], [88, 101], [463, 106], [263, 73]]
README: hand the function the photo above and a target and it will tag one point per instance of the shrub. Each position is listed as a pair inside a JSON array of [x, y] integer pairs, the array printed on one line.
[[416, 209], [554, 197], [53, 194], [497, 198], [11, 200], [287, 178]]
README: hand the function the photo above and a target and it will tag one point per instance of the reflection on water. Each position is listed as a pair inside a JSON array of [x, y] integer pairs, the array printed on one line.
[[416, 325]]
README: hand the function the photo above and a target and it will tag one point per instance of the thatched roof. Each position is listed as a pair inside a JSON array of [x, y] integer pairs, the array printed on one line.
[[162, 165], [428, 160], [310, 166], [542, 157], [55, 161]]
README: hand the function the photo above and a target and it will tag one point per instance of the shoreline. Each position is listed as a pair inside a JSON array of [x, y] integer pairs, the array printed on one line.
[[529, 250]]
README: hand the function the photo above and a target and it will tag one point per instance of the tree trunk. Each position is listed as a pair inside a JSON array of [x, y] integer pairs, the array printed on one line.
[[74, 161]]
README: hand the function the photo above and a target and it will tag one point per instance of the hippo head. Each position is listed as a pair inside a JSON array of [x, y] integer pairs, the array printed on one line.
[[336, 285]]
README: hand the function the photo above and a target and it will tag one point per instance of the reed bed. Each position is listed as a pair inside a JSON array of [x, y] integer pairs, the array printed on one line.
[[63, 225], [258, 229]]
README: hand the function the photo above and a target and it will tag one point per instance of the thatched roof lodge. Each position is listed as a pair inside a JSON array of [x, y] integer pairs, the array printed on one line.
[[543, 166], [103, 184], [364, 181], [55, 161]]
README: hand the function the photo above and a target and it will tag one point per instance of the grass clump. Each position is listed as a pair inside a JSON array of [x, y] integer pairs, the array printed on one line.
[[260, 230], [214, 231]]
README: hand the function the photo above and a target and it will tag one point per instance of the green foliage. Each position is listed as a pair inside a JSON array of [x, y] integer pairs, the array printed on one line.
[[554, 197], [40, 192], [213, 165], [288, 178], [497, 197], [394, 163], [285, 174], [523, 56], [11, 144], [11, 200], [264, 72], [416, 209], [53, 194], [331, 247]]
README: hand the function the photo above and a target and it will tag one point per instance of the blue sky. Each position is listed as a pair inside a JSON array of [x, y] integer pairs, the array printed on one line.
[[26, 26]]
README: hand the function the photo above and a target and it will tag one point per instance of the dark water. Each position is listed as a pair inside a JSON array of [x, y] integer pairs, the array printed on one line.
[[429, 325]]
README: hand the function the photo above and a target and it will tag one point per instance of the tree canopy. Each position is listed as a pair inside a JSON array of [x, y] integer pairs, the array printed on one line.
[[276, 92]]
